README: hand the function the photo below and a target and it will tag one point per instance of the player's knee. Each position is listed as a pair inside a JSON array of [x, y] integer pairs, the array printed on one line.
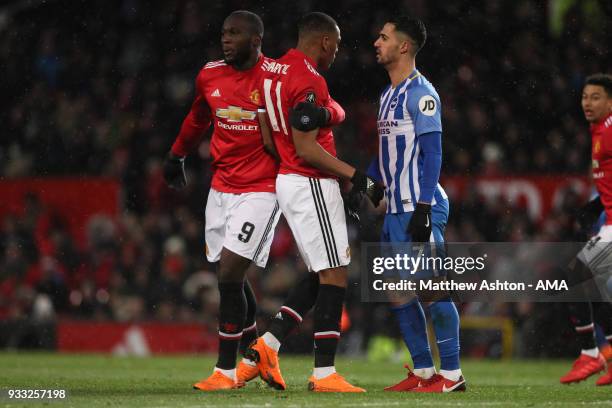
[[334, 276], [232, 267], [229, 275]]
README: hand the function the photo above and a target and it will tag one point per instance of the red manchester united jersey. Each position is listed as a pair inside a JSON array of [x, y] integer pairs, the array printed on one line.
[[229, 99], [601, 139], [287, 81]]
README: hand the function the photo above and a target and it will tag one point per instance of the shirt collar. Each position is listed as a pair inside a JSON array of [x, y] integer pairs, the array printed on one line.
[[294, 52], [599, 124]]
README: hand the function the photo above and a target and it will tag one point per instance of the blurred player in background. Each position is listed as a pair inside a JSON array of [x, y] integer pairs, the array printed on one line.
[[597, 108], [242, 211], [408, 164], [300, 112]]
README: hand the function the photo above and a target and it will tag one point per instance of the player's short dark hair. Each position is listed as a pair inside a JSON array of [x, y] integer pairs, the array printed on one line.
[[412, 27], [255, 24], [603, 80], [316, 22]]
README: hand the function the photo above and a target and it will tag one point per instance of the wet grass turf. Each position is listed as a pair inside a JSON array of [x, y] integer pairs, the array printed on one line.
[[103, 381]]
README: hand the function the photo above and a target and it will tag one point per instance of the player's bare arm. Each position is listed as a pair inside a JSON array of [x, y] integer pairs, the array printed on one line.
[[193, 128], [266, 135], [309, 150]]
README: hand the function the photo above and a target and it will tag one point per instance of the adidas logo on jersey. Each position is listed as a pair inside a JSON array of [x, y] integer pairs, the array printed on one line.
[[216, 93]]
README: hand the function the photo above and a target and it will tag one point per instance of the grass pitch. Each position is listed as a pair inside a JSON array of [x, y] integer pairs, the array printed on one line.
[[103, 381]]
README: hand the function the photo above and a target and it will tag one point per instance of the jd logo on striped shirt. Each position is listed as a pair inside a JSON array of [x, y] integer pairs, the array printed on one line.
[[427, 105]]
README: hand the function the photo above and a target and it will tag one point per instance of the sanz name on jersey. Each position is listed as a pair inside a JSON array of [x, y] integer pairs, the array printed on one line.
[[236, 127], [385, 126]]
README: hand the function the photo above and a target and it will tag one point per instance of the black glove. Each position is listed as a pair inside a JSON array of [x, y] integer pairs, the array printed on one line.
[[365, 185], [174, 171], [589, 213], [362, 185], [419, 227], [307, 116]]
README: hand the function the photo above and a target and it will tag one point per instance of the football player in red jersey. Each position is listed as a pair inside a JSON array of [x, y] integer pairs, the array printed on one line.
[[242, 210], [597, 108], [300, 113]]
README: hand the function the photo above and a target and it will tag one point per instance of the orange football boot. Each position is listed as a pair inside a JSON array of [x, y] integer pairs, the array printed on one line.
[[217, 381], [245, 373], [267, 363], [332, 383]]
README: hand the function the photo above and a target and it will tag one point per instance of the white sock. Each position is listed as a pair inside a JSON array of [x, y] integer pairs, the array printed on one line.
[[424, 373], [228, 373], [271, 341], [594, 352], [322, 372], [248, 362], [452, 375]]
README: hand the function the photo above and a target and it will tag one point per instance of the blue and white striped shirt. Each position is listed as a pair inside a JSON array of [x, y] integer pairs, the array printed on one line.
[[406, 112]]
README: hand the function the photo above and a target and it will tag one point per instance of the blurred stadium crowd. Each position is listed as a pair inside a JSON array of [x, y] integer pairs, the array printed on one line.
[[99, 88]]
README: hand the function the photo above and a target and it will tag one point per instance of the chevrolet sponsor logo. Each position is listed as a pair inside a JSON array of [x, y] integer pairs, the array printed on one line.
[[239, 126], [235, 114]]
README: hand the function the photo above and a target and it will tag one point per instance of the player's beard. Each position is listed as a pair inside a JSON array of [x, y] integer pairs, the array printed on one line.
[[238, 59]]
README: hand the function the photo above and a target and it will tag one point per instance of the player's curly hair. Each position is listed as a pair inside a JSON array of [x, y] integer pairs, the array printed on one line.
[[601, 79], [412, 27]]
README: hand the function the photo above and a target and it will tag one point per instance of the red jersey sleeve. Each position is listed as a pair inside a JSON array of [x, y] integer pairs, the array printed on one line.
[[309, 87], [607, 139], [195, 123], [336, 112]]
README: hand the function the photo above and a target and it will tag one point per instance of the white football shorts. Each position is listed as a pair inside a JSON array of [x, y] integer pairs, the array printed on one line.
[[314, 211], [243, 223], [597, 253]]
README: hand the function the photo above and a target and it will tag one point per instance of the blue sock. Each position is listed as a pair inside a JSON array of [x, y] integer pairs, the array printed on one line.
[[600, 337], [413, 326], [445, 320]]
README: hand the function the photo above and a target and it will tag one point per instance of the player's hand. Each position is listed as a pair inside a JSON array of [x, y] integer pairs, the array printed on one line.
[[307, 116], [366, 185], [419, 227], [588, 214], [174, 171]]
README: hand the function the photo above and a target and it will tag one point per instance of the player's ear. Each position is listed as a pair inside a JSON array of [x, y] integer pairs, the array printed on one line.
[[405, 47], [325, 42], [256, 41]]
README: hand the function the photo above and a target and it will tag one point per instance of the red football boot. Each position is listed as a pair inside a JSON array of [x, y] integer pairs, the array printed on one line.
[[410, 382], [606, 379], [584, 367], [438, 383]]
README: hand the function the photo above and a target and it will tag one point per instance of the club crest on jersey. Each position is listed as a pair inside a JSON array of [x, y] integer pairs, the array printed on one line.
[[311, 97], [235, 114], [427, 105], [597, 147], [255, 96], [393, 103]]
